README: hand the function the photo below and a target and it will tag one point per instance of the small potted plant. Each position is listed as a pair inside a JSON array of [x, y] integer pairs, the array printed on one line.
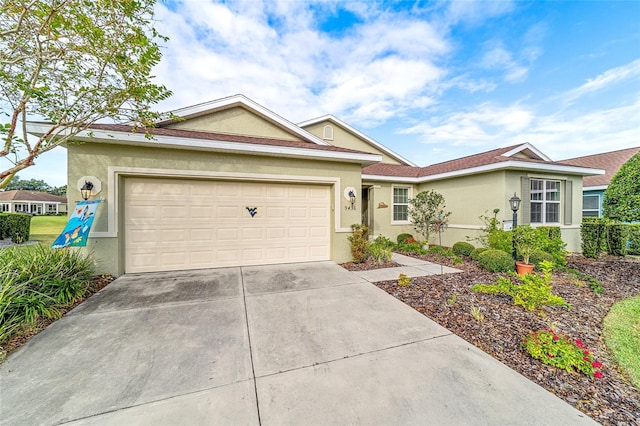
[[526, 240]]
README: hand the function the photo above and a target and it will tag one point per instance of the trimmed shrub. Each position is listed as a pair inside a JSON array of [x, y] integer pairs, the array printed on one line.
[[463, 248], [16, 226], [501, 240], [592, 235], [539, 256], [496, 261], [475, 254], [2, 225], [402, 237], [633, 246], [616, 234]]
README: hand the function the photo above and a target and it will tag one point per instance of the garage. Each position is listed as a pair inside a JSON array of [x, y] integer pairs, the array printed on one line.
[[179, 224]]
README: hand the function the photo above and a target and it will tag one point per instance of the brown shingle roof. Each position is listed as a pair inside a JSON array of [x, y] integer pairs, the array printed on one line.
[[471, 161], [609, 161], [195, 134], [23, 195]]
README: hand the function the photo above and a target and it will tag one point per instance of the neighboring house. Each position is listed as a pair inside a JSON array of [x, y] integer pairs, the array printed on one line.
[[232, 183], [593, 187], [32, 202]]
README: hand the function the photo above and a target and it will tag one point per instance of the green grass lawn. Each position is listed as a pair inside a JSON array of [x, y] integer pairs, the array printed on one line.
[[46, 229], [622, 336]]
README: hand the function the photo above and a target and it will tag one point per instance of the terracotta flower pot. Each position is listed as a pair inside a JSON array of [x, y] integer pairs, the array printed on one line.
[[524, 268]]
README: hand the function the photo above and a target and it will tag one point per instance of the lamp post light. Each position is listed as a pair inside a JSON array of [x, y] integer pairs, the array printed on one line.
[[515, 205]]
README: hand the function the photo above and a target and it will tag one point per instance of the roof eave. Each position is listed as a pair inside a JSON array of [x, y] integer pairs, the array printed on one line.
[[174, 142]]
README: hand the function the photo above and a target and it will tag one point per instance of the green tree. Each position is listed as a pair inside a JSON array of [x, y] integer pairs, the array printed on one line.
[[71, 63], [427, 213], [622, 198], [30, 185]]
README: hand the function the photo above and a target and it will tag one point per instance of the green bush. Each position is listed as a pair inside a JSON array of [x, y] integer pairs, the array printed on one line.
[[501, 240], [551, 242], [415, 248], [533, 291], [463, 248], [402, 237], [539, 256], [592, 234], [475, 254], [383, 241], [633, 246], [379, 252], [616, 237], [36, 282], [15, 226], [560, 351], [2, 225], [496, 261], [359, 242]]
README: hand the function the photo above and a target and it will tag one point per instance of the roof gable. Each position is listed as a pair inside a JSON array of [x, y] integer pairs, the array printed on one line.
[[316, 126], [237, 115], [610, 162]]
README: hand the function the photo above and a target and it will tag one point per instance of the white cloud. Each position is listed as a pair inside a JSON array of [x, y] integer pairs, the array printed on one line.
[[604, 80], [374, 71]]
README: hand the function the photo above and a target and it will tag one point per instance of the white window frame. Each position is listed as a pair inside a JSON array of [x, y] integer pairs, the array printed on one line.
[[597, 210], [544, 202], [393, 204], [5, 207]]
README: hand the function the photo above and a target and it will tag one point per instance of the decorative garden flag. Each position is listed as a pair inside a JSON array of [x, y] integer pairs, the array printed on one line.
[[77, 230]]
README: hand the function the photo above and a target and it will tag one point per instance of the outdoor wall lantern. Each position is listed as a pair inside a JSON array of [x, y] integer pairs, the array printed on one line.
[[86, 190], [350, 196], [515, 205]]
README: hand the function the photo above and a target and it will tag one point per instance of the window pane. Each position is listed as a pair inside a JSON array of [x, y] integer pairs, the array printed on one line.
[[536, 212], [537, 187], [553, 212], [400, 212], [400, 195], [591, 202], [590, 213]]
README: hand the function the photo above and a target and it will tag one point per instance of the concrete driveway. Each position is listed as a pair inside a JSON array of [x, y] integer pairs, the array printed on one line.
[[299, 344]]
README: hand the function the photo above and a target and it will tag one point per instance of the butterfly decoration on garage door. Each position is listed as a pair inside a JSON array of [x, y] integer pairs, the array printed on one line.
[[252, 211], [77, 230]]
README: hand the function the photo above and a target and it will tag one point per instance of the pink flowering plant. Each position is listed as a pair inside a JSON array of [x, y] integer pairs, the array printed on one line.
[[562, 352]]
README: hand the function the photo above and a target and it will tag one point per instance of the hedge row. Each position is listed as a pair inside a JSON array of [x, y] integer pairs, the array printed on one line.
[[604, 235], [15, 226]]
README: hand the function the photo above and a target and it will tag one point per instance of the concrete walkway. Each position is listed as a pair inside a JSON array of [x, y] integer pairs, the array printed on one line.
[[302, 344], [411, 267]]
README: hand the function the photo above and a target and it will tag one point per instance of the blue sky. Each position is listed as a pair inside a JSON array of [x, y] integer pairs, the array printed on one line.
[[431, 80]]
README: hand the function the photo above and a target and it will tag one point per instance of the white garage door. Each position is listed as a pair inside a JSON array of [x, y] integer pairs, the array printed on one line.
[[188, 224]]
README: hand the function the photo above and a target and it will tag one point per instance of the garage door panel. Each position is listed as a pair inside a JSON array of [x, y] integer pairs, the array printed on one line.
[[184, 224]]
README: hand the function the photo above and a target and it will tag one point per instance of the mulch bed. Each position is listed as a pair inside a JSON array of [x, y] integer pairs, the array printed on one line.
[[368, 265], [448, 300], [97, 283]]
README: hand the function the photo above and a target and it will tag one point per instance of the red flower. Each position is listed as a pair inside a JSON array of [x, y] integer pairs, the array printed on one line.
[[585, 358], [596, 364], [556, 337], [597, 374], [579, 343], [586, 352], [550, 356]]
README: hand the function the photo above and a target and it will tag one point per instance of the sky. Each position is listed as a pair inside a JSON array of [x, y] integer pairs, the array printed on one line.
[[431, 80]]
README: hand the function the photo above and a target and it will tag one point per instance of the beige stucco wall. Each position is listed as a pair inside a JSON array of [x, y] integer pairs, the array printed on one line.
[[344, 139], [469, 197], [236, 121], [382, 195], [96, 158]]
